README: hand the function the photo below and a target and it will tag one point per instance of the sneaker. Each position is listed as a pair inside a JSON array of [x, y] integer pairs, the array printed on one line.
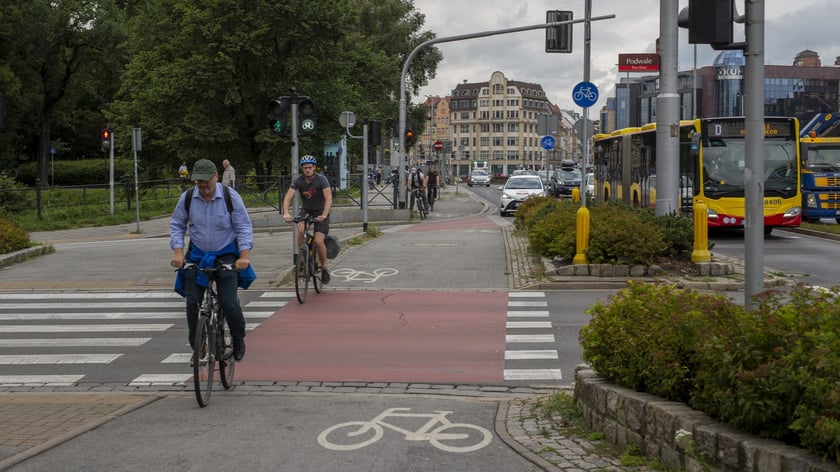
[[325, 276], [238, 348]]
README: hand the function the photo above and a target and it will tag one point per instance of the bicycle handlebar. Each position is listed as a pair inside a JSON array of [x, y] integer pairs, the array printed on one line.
[[307, 218], [194, 265]]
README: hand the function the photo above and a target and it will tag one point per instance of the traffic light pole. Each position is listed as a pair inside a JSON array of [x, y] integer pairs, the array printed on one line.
[[111, 171], [449, 39]]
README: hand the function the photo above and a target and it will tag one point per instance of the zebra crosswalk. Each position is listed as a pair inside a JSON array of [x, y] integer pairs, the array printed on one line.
[[63, 339], [527, 327]]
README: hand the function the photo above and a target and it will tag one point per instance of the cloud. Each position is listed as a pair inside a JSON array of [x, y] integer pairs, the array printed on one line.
[[789, 29]]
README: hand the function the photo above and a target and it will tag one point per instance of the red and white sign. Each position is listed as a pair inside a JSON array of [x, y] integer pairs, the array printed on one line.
[[438, 146], [638, 62]]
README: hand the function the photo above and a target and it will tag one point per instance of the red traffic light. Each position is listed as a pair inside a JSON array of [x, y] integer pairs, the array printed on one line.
[[409, 133], [106, 133]]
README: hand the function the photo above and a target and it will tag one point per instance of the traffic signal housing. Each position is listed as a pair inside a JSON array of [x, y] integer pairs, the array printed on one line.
[[107, 138], [279, 123], [709, 22], [307, 116], [409, 138]]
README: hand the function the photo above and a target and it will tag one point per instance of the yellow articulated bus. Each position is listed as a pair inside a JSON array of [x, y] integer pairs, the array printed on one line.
[[712, 159]]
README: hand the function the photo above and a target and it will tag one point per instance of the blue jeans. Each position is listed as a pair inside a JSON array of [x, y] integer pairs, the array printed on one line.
[[227, 283]]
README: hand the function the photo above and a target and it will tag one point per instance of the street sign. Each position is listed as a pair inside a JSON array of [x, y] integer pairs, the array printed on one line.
[[438, 146], [578, 128], [585, 94], [547, 143]]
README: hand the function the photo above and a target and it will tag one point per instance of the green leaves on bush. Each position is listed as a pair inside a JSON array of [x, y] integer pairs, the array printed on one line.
[[773, 371], [12, 238], [618, 234]]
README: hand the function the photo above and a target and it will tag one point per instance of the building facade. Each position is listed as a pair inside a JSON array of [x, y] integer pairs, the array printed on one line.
[[800, 90]]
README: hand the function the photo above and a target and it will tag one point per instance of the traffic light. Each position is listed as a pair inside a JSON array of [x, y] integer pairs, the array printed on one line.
[[558, 38], [307, 116], [278, 117], [409, 138], [107, 138], [374, 133], [709, 22]]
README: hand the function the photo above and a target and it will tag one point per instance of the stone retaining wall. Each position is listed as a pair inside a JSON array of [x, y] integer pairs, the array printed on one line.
[[680, 437], [624, 270]]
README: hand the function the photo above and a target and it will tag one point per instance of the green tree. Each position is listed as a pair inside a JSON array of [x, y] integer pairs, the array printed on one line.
[[202, 72], [57, 65]]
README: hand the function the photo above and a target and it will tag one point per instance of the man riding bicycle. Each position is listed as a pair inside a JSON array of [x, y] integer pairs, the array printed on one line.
[[316, 200], [432, 184], [415, 182], [220, 233]]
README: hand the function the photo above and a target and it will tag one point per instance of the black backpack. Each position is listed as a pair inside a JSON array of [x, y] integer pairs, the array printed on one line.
[[189, 195]]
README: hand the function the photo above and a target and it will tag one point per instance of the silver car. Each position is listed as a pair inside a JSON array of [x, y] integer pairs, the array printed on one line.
[[517, 189], [479, 177]]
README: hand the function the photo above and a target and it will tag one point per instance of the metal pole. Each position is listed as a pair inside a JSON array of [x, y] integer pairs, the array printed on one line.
[[136, 177], [667, 113], [295, 164], [365, 183], [694, 86], [587, 43], [754, 142], [111, 172]]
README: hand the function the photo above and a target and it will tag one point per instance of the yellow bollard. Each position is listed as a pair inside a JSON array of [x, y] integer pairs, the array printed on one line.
[[576, 195], [701, 234], [582, 235]]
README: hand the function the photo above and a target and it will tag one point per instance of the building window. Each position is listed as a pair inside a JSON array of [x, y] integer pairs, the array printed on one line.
[[498, 127], [498, 141], [484, 141], [513, 141], [513, 127], [498, 155], [485, 127], [465, 142], [465, 128], [465, 115]]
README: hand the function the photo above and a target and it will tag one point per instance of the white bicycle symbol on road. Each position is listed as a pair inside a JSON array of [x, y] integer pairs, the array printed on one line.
[[450, 437], [362, 276]]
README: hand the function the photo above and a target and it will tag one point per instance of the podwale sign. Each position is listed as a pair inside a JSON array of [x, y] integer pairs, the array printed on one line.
[[638, 62]]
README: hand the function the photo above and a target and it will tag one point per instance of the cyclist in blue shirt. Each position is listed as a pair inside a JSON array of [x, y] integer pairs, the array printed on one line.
[[316, 200], [218, 235]]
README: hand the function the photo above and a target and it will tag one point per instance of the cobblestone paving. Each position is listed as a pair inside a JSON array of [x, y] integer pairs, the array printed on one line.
[[520, 270]]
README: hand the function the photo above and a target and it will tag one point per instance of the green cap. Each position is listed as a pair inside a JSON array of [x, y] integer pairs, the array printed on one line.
[[203, 170]]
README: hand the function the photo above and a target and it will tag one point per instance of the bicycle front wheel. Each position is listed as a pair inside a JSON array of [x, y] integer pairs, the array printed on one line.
[[302, 274], [202, 360], [226, 362]]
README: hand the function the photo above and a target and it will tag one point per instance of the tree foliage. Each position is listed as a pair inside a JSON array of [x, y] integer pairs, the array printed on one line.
[[197, 75]]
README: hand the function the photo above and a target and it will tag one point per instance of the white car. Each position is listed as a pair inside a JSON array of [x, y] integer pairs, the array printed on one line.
[[517, 189]]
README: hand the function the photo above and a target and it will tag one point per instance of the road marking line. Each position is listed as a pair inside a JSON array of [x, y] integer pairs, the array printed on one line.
[[516, 355], [527, 314], [160, 379], [529, 338], [68, 305], [277, 294], [39, 380], [74, 342], [514, 303], [266, 304], [527, 324], [83, 328], [526, 294], [177, 358], [87, 295], [112, 316], [533, 374], [58, 359]]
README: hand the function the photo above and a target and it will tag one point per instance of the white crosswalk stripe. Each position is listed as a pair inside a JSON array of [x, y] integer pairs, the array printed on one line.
[[521, 307], [56, 331]]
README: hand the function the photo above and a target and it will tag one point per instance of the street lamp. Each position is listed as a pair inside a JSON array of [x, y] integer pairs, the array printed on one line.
[[347, 119]]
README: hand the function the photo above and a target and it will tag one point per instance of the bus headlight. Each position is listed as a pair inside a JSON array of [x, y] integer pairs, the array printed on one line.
[[793, 212], [711, 214], [811, 200]]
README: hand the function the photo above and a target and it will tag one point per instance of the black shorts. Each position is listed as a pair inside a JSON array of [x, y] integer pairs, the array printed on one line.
[[320, 226]]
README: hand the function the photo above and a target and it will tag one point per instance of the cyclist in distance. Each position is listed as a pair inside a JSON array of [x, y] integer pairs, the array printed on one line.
[[316, 200], [220, 233]]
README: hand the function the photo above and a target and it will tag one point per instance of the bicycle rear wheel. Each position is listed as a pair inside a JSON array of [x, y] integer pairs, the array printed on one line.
[[421, 205], [302, 273], [202, 360], [316, 274], [226, 362]]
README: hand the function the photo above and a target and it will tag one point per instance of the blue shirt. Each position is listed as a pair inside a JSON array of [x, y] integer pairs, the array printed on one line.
[[213, 227]]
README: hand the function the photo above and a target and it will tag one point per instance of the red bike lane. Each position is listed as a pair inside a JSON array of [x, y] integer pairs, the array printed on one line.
[[382, 336]]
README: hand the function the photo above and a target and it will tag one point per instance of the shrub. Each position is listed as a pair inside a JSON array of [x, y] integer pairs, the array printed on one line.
[[532, 210], [12, 196], [619, 234], [552, 233], [773, 370], [12, 238], [82, 172]]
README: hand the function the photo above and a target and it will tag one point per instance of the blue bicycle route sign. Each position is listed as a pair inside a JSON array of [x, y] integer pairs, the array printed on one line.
[[547, 143], [585, 94]]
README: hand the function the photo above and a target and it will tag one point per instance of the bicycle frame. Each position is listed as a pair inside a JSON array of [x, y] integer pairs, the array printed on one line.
[[306, 264]]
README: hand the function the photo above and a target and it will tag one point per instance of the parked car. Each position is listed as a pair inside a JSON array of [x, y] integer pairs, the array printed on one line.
[[479, 177], [517, 189], [563, 180], [590, 185]]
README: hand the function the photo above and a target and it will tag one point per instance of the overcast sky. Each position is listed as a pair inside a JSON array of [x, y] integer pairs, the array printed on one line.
[[791, 27]]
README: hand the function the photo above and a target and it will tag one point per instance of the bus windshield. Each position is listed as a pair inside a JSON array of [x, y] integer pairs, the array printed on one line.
[[724, 160]]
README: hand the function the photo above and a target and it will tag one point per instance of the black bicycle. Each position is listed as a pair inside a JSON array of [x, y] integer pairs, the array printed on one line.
[[213, 342], [307, 266], [420, 201]]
